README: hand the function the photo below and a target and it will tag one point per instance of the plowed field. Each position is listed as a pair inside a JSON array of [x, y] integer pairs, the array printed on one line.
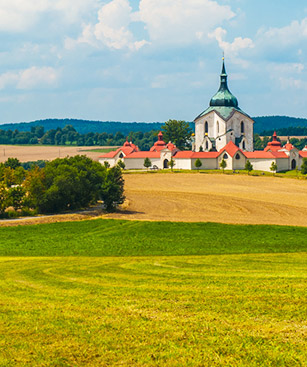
[[215, 198]]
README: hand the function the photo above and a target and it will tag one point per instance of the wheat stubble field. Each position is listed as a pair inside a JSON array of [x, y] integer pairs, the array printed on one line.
[[215, 198], [48, 153]]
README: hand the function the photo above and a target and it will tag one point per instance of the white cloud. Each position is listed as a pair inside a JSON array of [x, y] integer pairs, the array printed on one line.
[[112, 29], [181, 21], [19, 15], [234, 47], [290, 35], [166, 22], [31, 78]]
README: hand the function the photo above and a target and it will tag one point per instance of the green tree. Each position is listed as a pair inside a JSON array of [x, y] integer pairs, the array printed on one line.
[[121, 164], [178, 132], [171, 163], [198, 163], [304, 167], [273, 167], [223, 164], [3, 198], [248, 166], [147, 163], [16, 196], [112, 190], [12, 163]]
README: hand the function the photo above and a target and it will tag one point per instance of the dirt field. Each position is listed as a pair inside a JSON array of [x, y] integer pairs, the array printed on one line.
[[216, 198], [34, 153], [203, 198]]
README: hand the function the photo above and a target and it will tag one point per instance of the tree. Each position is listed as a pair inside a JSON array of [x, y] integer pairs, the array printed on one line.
[[223, 164], [16, 197], [273, 167], [198, 163], [248, 166], [171, 163], [147, 163], [12, 163], [178, 132], [112, 190], [121, 164], [304, 167]]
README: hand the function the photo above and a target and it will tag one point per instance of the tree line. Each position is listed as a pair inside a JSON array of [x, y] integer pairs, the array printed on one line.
[[64, 184]]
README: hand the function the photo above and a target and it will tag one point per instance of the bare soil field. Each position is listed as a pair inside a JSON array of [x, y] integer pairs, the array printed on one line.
[[37, 152], [215, 198]]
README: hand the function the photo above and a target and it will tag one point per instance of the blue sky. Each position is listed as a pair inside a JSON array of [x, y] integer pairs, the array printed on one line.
[[149, 60]]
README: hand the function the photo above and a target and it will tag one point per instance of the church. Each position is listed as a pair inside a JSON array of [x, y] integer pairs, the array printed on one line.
[[222, 132]]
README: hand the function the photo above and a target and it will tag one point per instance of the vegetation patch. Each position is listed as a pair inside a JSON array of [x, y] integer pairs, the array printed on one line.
[[102, 237], [227, 310]]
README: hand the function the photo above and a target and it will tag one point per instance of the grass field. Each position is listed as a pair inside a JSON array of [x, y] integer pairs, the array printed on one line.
[[216, 310]]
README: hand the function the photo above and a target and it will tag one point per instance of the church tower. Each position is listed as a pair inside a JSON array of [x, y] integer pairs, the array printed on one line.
[[223, 121]]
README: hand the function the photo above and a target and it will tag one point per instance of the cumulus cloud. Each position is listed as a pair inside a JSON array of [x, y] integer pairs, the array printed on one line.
[[165, 21], [19, 15], [181, 21], [289, 35], [112, 29], [30, 78], [234, 47]]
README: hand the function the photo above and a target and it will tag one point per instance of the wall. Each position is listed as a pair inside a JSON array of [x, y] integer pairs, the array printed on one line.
[[209, 163]]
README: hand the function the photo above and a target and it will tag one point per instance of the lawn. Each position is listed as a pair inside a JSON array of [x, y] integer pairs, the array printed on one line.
[[128, 293], [226, 310], [102, 237]]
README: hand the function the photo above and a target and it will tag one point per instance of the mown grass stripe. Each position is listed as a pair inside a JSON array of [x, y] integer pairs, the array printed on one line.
[[137, 238]]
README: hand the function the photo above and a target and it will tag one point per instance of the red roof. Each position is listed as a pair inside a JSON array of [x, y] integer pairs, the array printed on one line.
[[303, 153], [189, 154], [125, 150], [265, 154], [143, 155], [273, 145], [288, 146], [230, 148]]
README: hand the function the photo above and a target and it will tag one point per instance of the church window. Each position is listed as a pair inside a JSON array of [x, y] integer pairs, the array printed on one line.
[[243, 145], [121, 155], [242, 127], [207, 145], [217, 127], [225, 156], [206, 127], [238, 156]]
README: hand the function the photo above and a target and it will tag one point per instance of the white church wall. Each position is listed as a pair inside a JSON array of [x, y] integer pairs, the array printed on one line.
[[282, 164], [235, 124], [138, 163], [239, 163], [261, 164], [183, 163], [207, 163], [111, 161]]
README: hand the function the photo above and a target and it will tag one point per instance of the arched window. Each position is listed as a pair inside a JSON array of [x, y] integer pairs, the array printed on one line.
[[206, 127], [225, 156], [238, 156], [207, 145], [243, 145], [242, 127], [121, 156], [217, 127]]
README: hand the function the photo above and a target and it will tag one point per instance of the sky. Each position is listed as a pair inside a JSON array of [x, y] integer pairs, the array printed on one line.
[[150, 60]]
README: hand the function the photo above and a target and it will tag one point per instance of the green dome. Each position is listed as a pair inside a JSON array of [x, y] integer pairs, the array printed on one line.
[[223, 97]]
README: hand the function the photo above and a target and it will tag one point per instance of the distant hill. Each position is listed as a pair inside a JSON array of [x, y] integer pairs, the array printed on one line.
[[86, 126], [263, 124], [266, 125]]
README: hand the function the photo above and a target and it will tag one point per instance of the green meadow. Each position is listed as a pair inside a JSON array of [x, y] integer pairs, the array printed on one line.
[[121, 293]]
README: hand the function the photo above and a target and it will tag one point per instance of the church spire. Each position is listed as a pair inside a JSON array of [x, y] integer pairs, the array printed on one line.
[[224, 98]]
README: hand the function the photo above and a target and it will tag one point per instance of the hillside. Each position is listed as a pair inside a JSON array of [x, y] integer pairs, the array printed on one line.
[[86, 126], [262, 124]]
